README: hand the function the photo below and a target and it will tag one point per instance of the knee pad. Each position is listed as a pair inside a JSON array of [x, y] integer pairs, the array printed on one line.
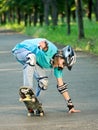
[[31, 59], [63, 88], [43, 83]]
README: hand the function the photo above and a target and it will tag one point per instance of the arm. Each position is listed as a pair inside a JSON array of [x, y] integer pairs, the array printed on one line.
[[62, 88]]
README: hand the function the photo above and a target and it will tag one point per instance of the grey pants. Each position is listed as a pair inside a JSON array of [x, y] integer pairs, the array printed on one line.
[[29, 71]]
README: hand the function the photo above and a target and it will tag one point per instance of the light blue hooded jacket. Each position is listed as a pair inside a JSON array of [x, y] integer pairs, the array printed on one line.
[[43, 58]]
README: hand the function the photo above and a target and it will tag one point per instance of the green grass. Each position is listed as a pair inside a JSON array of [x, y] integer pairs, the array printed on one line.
[[58, 34]]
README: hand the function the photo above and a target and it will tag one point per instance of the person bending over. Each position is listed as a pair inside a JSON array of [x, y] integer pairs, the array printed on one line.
[[38, 54]]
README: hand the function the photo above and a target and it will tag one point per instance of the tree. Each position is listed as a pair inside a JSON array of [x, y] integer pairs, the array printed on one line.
[[79, 16], [90, 3], [54, 12], [50, 4], [96, 9], [68, 14]]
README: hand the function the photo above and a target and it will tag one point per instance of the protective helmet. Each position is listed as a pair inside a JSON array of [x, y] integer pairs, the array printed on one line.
[[69, 56]]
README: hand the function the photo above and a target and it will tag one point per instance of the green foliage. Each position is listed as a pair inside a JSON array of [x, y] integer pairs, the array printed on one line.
[[58, 34]]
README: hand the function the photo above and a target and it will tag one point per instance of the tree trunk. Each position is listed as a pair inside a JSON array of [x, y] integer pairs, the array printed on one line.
[[53, 5], [25, 19], [35, 14], [10, 15], [68, 16], [18, 15], [90, 9], [96, 10], [3, 18], [30, 19], [54, 12], [79, 18], [41, 19], [46, 11]]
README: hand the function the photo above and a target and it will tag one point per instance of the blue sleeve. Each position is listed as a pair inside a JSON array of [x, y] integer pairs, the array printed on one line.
[[58, 73]]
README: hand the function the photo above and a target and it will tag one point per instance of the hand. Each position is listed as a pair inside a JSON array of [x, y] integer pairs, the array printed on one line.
[[43, 45], [73, 111]]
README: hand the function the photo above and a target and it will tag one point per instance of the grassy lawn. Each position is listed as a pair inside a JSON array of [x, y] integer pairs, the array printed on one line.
[[59, 34]]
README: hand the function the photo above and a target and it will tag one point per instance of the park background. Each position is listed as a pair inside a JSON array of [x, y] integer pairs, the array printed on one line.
[[73, 22], [15, 26]]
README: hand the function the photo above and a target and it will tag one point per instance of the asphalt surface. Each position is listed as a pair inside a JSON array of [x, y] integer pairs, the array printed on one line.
[[83, 89]]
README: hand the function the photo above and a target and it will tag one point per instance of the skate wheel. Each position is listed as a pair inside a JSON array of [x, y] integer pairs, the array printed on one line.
[[42, 114], [29, 114], [20, 100], [33, 100]]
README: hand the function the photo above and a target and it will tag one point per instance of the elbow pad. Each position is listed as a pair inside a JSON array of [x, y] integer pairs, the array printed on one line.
[[63, 88]]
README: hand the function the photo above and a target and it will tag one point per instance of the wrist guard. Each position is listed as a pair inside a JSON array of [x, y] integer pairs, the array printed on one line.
[[69, 104]]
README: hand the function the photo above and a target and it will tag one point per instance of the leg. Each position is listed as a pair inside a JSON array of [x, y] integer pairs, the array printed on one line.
[[28, 72], [42, 79]]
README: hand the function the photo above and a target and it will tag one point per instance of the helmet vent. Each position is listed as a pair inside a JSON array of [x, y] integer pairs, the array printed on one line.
[[68, 49]]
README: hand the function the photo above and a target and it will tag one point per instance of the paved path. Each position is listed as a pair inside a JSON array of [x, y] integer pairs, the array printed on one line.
[[83, 88]]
